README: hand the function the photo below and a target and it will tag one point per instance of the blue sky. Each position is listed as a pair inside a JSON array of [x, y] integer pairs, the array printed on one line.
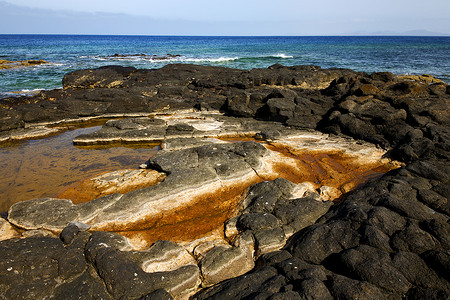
[[232, 17]]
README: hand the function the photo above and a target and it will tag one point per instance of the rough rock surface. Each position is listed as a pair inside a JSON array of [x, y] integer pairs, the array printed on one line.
[[118, 91], [386, 239], [7, 64], [121, 181]]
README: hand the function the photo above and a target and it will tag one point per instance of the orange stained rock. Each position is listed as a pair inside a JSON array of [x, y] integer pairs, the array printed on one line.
[[208, 213], [122, 181], [334, 168]]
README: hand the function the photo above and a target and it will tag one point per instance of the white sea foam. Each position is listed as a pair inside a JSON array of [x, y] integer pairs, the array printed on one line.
[[220, 59], [170, 59], [25, 92], [29, 91], [282, 55], [161, 59]]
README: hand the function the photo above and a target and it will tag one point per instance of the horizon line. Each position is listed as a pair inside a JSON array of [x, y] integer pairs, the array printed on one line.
[[200, 35]]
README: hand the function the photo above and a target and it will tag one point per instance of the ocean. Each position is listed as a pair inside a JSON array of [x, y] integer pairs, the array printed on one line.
[[66, 53]]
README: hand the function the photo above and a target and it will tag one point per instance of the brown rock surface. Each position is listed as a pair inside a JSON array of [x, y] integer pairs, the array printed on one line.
[[122, 181], [7, 64]]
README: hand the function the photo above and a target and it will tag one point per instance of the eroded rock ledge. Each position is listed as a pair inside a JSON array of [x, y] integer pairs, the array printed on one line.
[[386, 239], [7, 64]]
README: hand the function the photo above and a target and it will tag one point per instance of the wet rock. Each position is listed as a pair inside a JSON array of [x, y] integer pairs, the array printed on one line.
[[121, 181], [329, 192], [211, 165]]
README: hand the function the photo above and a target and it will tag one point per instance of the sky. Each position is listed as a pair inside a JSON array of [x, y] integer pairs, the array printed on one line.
[[232, 17]]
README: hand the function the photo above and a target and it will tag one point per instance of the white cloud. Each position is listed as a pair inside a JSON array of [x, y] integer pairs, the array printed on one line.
[[203, 17]]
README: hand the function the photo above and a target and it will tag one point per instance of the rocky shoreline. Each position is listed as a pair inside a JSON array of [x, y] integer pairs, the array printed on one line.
[[253, 197], [8, 64]]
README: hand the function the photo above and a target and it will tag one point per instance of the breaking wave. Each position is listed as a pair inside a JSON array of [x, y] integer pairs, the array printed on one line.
[[169, 58], [160, 59], [282, 55], [20, 93]]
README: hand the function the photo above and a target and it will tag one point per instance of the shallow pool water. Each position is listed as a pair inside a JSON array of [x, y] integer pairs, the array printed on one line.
[[46, 167]]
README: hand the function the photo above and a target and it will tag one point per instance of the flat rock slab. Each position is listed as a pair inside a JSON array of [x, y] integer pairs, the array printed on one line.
[[177, 125], [122, 181]]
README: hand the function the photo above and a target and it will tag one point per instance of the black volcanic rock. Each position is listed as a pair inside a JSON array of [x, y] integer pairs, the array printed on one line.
[[38, 273], [108, 76], [387, 239]]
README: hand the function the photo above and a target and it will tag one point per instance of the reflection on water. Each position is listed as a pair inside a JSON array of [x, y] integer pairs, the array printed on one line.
[[46, 167]]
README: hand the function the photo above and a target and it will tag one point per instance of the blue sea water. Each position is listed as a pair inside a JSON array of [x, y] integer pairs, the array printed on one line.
[[399, 55]]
